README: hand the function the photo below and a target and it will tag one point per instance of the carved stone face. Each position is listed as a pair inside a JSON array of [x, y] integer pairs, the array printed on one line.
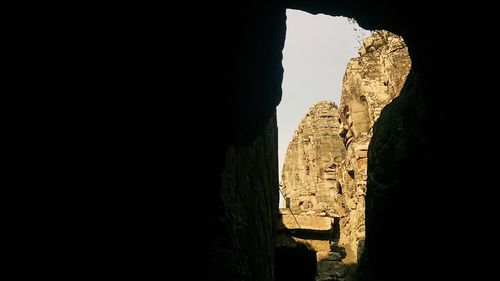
[[331, 171], [307, 202], [345, 125], [355, 119], [327, 167], [360, 119]]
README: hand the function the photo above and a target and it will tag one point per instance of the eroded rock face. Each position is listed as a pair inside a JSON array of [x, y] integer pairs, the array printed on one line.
[[249, 208], [371, 81], [309, 170], [325, 169], [309, 182], [306, 222]]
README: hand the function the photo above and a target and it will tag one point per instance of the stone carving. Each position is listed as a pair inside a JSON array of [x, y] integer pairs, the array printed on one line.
[[371, 81], [325, 169], [309, 171]]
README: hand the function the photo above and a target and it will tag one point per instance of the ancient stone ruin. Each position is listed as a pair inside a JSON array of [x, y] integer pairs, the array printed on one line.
[[325, 169], [309, 170]]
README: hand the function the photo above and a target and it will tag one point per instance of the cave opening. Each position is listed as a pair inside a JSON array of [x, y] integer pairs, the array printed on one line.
[[225, 60], [337, 79], [316, 52]]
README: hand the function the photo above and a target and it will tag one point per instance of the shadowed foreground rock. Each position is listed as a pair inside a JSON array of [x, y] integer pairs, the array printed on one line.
[[180, 98]]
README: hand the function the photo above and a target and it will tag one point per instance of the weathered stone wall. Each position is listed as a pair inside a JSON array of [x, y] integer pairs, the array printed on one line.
[[309, 183], [313, 230], [374, 79], [371, 81], [325, 169], [248, 204], [169, 106], [316, 232], [309, 175]]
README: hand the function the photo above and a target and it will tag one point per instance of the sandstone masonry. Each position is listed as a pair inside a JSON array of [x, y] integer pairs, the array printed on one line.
[[325, 169]]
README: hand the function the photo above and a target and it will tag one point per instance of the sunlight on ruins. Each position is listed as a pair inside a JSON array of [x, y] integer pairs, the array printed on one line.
[[324, 173]]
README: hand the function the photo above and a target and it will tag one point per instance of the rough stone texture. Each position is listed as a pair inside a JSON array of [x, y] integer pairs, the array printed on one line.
[[371, 81], [307, 222], [325, 169], [248, 208], [308, 176], [313, 231]]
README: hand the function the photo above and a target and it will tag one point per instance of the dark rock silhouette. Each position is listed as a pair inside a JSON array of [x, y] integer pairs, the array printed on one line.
[[184, 92]]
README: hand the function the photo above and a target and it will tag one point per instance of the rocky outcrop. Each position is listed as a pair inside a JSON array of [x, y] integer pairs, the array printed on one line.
[[325, 169]]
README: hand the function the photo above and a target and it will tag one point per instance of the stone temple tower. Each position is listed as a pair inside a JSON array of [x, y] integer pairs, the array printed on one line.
[[324, 176]]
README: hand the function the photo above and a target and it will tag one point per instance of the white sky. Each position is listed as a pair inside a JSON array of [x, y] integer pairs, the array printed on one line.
[[317, 50]]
